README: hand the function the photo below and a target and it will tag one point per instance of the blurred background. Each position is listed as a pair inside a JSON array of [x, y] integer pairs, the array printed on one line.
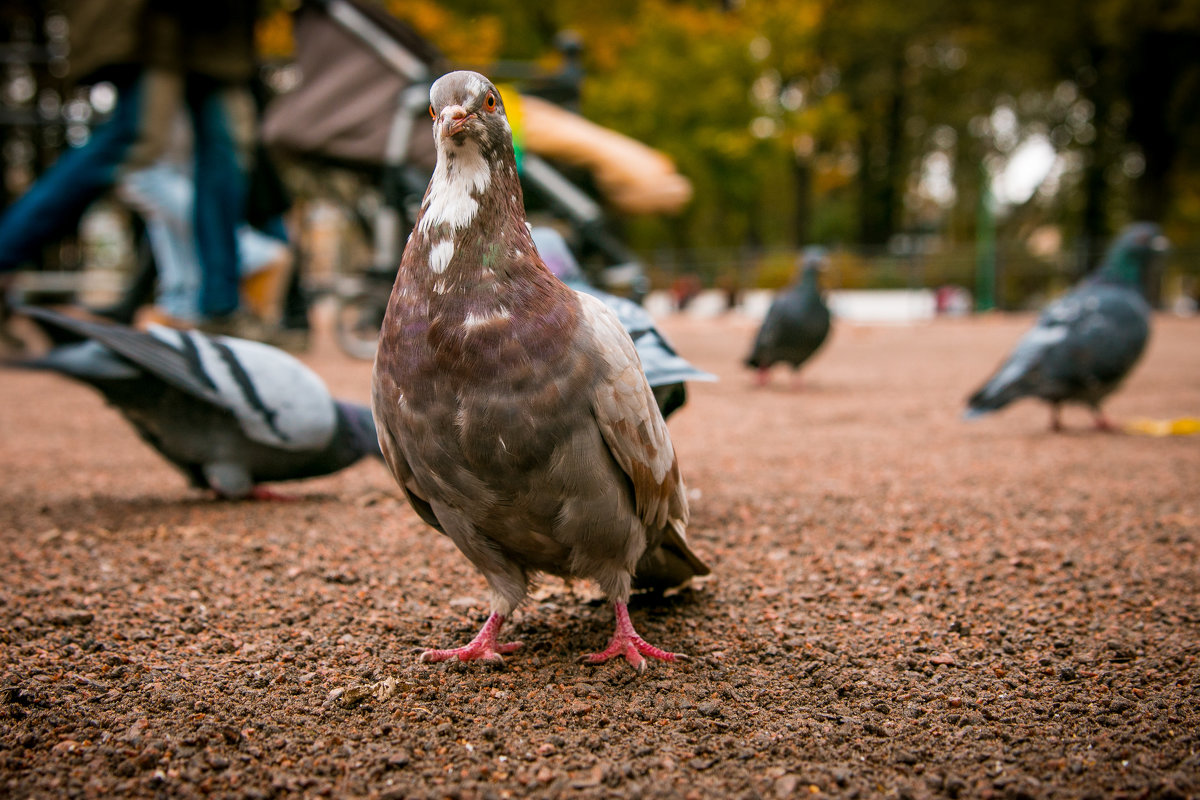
[[986, 151]]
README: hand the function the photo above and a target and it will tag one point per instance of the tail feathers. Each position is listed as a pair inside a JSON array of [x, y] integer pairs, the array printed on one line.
[[84, 361], [1009, 383], [60, 328], [671, 565], [989, 398]]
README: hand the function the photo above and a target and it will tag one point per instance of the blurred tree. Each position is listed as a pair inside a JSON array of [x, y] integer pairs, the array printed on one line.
[[862, 120]]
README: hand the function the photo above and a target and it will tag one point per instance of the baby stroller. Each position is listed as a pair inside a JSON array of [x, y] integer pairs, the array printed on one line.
[[361, 102]]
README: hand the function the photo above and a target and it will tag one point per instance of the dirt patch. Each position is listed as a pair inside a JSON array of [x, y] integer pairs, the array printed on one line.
[[904, 605]]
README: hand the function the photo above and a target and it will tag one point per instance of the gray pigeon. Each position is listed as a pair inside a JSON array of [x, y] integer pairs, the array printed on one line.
[[229, 413], [665, 369], [797, 323], [1086, 342], [512, 410]]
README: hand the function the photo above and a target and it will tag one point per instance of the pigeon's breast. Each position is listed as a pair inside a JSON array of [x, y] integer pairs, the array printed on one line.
[[492, 415]]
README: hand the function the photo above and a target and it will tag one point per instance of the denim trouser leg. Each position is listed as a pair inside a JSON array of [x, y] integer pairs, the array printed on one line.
[[53, 205], [221, 142], [163, 195]]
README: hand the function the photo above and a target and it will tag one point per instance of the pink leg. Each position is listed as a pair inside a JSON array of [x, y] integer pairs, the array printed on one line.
[[762, 376], [482, 648], [626, 642], [263, 493], [1103, 423]]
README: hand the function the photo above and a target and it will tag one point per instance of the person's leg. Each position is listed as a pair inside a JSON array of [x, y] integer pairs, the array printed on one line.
[[266, 264], [53, 205], [164, 197], [224, 130]]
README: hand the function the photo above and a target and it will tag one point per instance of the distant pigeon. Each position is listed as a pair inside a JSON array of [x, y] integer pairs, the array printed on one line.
[[512, 410], [797, 323], [1086, 342], [665, 369], [229, 413]]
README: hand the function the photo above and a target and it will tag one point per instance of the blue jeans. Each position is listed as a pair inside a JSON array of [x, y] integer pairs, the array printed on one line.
[[133, 138], [164, 195]]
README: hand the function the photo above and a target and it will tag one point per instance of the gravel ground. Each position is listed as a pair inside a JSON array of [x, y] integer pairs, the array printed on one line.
[[903, 605]]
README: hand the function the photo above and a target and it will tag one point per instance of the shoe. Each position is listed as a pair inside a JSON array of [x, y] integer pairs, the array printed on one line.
[[154, 315]]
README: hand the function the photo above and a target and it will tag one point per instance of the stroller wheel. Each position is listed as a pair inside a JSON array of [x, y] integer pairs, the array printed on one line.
[[357, 323]]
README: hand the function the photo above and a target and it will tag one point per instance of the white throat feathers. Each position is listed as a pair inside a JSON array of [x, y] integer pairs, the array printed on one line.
[[461, 175]]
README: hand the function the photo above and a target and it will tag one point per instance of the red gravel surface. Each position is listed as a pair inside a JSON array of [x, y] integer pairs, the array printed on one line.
[[903, 605]]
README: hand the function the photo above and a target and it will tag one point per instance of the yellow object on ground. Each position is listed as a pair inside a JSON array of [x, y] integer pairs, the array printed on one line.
[[1183, 426]]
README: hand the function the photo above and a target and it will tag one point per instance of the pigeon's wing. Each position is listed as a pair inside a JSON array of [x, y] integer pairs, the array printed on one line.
[[179, 369], [660, 361], [1108, 338], [402, 472], [276, 400], [634, 430], [770, 332], [1086, 338], [1022, 373]]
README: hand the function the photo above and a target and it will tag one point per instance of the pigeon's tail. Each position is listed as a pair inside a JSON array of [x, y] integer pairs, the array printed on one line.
[[670, 397], [992, 396], [58, 327], [670, 565], [90, 362]]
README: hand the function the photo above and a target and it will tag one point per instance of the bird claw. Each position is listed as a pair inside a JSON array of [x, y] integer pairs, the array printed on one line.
[[632, 648], [475, 651], [626, 642]]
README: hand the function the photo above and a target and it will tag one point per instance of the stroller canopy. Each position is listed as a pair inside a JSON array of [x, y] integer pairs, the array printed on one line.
[[356, 61]]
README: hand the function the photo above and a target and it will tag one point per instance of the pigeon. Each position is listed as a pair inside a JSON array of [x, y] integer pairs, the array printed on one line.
[[1084, 343], [512, 411], [665, 369], [229, 413], [797, 323]]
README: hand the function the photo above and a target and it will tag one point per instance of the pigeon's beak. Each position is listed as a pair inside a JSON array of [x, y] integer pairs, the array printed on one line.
[[454, 119]]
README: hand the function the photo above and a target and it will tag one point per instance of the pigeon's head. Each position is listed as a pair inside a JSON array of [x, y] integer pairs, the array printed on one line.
[[465, 107], [1134, 254], [814, 258], [357, 429]]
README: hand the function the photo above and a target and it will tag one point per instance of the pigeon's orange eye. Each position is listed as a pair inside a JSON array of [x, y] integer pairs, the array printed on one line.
[[431, 114], [489, 102]]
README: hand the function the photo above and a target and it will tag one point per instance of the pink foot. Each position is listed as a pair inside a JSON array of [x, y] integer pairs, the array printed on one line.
[[1103, 423], [482, 648], [263, 493], [762, 377], [626, 642]]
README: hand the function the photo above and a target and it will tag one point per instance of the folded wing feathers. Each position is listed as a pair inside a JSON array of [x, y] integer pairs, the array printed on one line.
[[631, 424]]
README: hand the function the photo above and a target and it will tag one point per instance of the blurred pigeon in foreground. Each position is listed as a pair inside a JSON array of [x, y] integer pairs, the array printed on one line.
[[1087, 341], [512, 411], [665, 369], [796, 324], [229, 413]]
